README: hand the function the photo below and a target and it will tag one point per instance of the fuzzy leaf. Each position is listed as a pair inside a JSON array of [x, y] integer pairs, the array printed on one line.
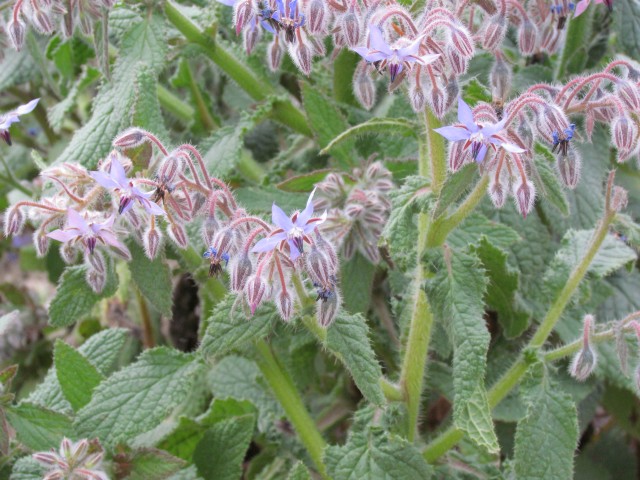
[[152, 277], [153, 463], [383, 126], [17, 68], [477, 226], [628, 23], [76, 375], [27, 468], [220, 453], [146, 109], [138, 397], [356, 279], [305, 182], [348, 338], [454, 187], [74, 298], [546, 181], [299, 472], [37, 427], [228, 331]]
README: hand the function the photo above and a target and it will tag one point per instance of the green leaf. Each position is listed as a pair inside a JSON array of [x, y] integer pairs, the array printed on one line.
[[28, 468], [375, 457], [327, 122], [37, 427], [229, 329], [17, 68], [152, 277], [356, 280], [458, 291], [220, 453], [546, 181], [348, 338], [305, 182], [138, 397], [382, 126], [76, 375], [146, 109], [152, 463], [454, 187], [628, 23], [142, 44], [344, 66], [74, 298], [57, 114], [547, 437], [476, 226], [226, 147], [253, 199], [502, 292], [102, 350], [299, 472]]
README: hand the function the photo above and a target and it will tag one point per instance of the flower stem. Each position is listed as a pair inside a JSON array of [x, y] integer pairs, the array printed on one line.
[[437, 153], [10, 179], [512, 377], [283, 388], [283, 111], [174, 105]]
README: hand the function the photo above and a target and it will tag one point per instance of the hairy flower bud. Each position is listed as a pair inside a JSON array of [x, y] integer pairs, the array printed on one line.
[[494, 31], [527, 37], [171, 166], [327, 309], [284, 303], [318, 16], [584, 362], [458, 63], [242, 12], [68, 253], [152, 239], [41, 242], [302, 55], [42, 22], [351, 29], [96, 279], [417, 96], [16, 30], [551, 119], [548, 38], [225, 241], [131, 138], [525, 195], [438, 100], [95, 260], [623, 134], [363, 86], [240, 271], [461, 41], [500, 78], [178, 234], [458, 156], [254, 292], [250, 36], [569, 167], [498, 191], [13, 221], [274, 54], [629, 93]]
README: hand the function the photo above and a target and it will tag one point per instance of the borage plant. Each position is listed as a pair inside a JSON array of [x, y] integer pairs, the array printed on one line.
[[274, 239]]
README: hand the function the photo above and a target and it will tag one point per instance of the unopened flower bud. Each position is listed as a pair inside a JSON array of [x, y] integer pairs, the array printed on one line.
[[351, 29], [417, 96], [68, 253], [527, 37], [458, 63], [548, 40], [525, 195], [254, 292], [586, 359], [251, 36], [13, 221], [178, 234], [274, 55], [171, 166], [327, 308], [629, 93], [96, 279], [240, 271], [152, 239], [500, 78], [210, 227], [302, 56], [494, 32], [624, 133], [438, 101], [462, 42], [131, 138], [95, 260], [318, 16], [241, 14], [569, 167], [551, 119], [225, 241], [619, 199], [327, 248], [16, 30], [41, 242], [498, 191], [458, 156], [42, 22], [363, 86], [284, 303]]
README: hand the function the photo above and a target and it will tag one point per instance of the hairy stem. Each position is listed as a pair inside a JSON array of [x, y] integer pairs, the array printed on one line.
[[437, 153], [287, 394]]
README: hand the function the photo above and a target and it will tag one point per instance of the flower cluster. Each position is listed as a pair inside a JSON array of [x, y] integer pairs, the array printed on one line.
[[358, 208], [94, 213], [45, 15], [80, 460]]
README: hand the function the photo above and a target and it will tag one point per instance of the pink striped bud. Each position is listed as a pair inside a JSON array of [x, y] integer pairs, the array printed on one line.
[[171, 166], [438, 100], [327, 249], [68, 253], [152, 239], [318, 16], [363, 86], [586, 359], [458, 156], [209, 228], [551, 119], [327, 309], [284, 303], [458, 63], [498, 191], [41, 242], [242, 13], [16, 30], [624, 135], [13, 221], [494, 31], [527, 37], [318, 266], [42, 22], [461, 41], [351, 29], [548, 38], [525, 195], [254, 292], [131, 138], [95, 260], [178, 235], [569, 167], [96, 279], [500, 79], [629, 94], [274, 54], [453, 90], [302, 56], [225, 241], [417, 96], [250, 36], [240, 271]]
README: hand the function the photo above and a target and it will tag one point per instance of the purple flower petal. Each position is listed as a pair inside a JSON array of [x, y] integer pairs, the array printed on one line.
[[62, 236], [465, 115], [370, 55], [510, 147], [311, 226], [117, 171], [411, 49], [482, 153], [22, 109], [76, 221], [280, 218], [428, 59], [294, 253], [104, 180], [491, 129], [269, 243], [581, 7], [376, 41], [8, 120], [153, 208], [453, 134], [228, 3], [305, 215]]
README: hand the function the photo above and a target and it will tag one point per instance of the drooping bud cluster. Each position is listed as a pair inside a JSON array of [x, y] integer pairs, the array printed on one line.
[[81, 460], [47, 16], [357, 211]]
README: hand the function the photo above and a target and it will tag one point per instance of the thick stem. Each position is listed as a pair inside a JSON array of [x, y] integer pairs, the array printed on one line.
[[181, 110], [286, 393], [437, 152], [203, 111], [283, 111]]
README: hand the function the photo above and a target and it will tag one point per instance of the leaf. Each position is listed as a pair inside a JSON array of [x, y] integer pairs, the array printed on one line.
[[57, 114], [348, 338], [229, 330], [457, 292], [142, 44], [454, 187], [299, 472], [17, 68], [226, 147], [76, 375], [327, 122], [102, 350], [356, 280], [546, 181], [628, 23], [220, 453], [74, 298], [476, 226], [305, 182], [549, 432], [502, 292], [374, 457], [37, 427], [146, 109], [152, 277], [253, 199], [152, 463], [138, 397], [27, 468], [383, 126]]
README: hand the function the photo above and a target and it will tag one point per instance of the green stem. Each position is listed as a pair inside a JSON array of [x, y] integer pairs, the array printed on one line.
[[512, 377], [251, 169], [286, 393], [10, 179], [437, 152], [283, 111], [172, 103], [203, 111]]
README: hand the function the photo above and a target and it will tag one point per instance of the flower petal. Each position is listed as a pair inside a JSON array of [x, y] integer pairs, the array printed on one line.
[[117, 170], [22, 109], [376, 41], [269, 243], [428, 59], [491, 129], [280, 218], [482, 153], [581, 7], [294, 253], [510, 147], [76, 221], [411, 49], [104, 180], [152, 208], [465, 115], [311, 226], [305, 215], [453, 133], [62, 236]]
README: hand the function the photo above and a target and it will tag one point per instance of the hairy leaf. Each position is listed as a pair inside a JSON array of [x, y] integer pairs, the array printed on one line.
[[152, 277], [356, 280], [149, 463], [76, 375], [37, 427]]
